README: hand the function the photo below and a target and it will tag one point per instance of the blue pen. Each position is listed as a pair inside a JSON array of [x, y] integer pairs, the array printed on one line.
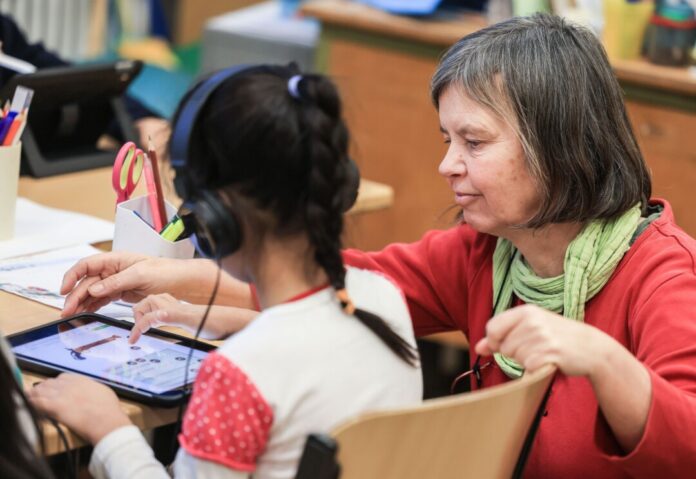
[[5, 124], [141, 218]]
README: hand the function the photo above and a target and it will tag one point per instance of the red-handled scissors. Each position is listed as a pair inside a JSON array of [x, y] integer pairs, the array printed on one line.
[[128, 168]]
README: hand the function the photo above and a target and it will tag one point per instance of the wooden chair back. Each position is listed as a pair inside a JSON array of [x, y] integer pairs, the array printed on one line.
[[478, 435]]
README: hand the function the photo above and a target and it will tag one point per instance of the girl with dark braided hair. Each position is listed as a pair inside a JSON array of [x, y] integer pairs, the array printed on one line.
[[270, 149]]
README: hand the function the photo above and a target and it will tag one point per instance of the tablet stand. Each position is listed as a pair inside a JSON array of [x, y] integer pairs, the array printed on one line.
[[36, 164]]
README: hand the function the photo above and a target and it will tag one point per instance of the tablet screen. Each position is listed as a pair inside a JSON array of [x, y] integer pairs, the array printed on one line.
[[89, 346]]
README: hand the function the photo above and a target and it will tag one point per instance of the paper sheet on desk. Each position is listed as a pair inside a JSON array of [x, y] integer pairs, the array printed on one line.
[[39, 277], [39, 228]]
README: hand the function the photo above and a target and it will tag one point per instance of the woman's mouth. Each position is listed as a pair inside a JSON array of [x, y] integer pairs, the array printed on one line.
[[464, 199]]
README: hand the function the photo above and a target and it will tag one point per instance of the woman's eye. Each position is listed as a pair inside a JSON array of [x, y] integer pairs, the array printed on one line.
[[473, 144], [447, 141]]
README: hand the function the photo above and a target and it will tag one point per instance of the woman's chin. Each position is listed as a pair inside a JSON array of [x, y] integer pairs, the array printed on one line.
[[482, 225]]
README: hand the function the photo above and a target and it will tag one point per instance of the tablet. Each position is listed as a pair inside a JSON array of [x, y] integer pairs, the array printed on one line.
[[150, 371], [73, 106]]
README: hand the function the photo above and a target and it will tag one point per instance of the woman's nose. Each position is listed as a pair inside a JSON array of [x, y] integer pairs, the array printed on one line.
[[452, 164]]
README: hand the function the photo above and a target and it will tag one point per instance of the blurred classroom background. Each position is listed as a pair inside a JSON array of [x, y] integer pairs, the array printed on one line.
[[382, 54]]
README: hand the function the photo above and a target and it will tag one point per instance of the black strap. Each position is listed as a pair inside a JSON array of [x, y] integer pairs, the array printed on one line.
[[531, 435], [477, 372]]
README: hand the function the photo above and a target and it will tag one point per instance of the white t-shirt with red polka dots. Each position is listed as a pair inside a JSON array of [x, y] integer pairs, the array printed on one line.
[[300, 367]]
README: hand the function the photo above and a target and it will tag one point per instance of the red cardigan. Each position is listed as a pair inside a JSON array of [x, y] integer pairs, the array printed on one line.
[[649, 306]]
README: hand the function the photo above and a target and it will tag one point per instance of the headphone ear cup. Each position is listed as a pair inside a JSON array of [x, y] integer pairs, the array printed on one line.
[[182, 185], [350, 191], [222, 229]]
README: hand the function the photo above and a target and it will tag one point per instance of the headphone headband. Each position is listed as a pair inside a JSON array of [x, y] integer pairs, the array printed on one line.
[[221, 231], [180, 136]]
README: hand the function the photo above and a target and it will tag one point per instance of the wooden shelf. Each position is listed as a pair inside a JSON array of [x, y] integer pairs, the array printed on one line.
[[642, 72], [444, 31], [440, 31]]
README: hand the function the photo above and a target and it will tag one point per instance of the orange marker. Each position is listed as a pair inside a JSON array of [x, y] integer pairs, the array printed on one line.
[[18, 136]]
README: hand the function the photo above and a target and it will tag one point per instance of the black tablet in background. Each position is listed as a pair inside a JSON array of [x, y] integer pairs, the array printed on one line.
[[151, 371], [72, 108]]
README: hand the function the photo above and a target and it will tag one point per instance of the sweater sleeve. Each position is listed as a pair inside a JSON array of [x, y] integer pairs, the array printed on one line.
[[663, 333], [432, 273], [124, 454]]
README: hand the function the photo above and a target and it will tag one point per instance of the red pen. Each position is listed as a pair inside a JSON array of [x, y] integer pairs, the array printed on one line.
[[14, 128], [152, 197], [161, 209]]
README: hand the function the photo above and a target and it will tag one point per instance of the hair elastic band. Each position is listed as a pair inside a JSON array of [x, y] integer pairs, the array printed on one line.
[[346, 303], [294, 86]]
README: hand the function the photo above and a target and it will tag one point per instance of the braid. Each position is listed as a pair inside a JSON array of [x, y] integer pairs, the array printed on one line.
[[326, 140], [326, 137]]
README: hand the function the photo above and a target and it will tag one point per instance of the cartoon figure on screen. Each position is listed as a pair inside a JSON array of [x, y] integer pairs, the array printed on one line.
[[84, 341], [261, 161], [77, 352]]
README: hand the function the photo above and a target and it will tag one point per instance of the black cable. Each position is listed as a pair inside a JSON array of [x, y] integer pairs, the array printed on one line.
[[531, 434], [477, 363], [186, 389], [71, 467]]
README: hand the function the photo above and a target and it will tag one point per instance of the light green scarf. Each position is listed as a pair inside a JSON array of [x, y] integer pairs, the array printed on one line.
[[590, 260]]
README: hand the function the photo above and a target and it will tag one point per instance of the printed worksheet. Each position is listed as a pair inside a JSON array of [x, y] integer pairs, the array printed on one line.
[[38, 277]]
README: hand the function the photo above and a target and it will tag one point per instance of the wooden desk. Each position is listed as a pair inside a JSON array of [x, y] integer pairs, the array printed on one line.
[[383, 64], [451, 338], [90, 192]]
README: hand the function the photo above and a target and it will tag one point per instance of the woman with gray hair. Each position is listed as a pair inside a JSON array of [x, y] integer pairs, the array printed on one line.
[[559, 243]]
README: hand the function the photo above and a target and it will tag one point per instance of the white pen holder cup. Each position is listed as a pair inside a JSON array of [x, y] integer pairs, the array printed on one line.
[[9, 179], [133, 232]]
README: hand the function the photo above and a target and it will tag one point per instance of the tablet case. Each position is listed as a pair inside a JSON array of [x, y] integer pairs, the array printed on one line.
[[136, 395]]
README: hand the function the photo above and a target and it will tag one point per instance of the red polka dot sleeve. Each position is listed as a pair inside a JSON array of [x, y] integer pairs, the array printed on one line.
[[227, 421]]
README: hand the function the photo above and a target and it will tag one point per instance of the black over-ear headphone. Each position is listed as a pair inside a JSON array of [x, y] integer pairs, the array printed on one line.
[[216, 232]]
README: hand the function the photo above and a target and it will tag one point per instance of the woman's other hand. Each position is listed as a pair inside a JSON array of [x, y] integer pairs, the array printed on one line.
[[534, 337], [86, 407], [161, 309]]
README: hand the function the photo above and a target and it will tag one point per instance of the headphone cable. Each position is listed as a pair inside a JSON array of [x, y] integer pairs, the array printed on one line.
[[186, 389], [71, 467]]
